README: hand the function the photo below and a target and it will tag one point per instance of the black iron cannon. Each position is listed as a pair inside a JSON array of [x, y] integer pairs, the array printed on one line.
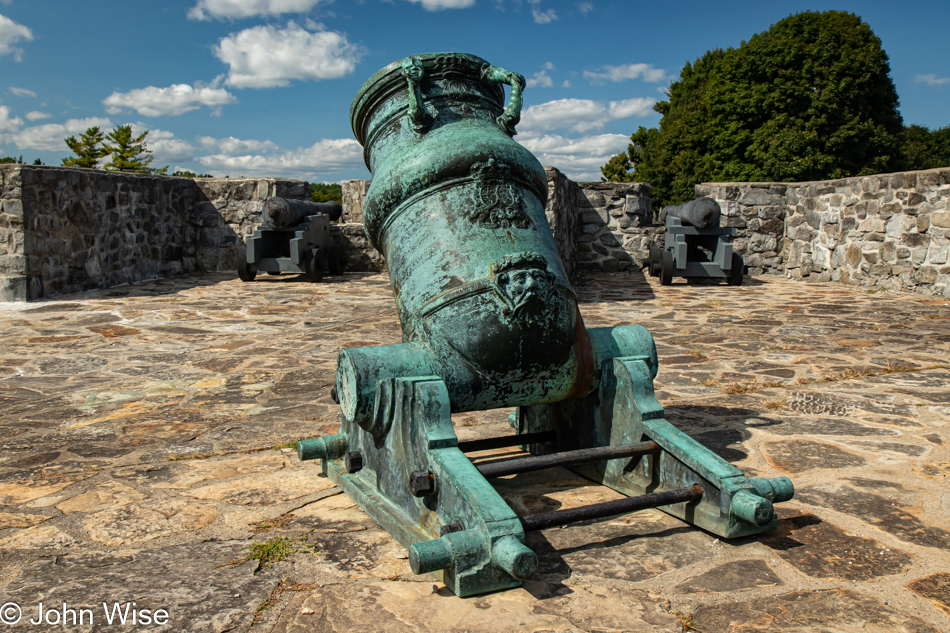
[[294, 236], [695, 245]]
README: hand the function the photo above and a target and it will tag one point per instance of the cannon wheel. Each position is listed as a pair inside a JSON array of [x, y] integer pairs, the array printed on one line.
[[738, 269], [246, 272], [337, 257], [313, 266], [654, 260], [666, 268]]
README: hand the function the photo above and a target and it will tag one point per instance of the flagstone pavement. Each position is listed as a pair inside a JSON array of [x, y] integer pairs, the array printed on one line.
[[145, 430]]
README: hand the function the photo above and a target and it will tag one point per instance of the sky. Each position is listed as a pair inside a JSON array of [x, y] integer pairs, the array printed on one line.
[[263, 87]]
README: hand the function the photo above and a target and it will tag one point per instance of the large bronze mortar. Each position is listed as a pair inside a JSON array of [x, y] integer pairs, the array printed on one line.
[[456, 207]]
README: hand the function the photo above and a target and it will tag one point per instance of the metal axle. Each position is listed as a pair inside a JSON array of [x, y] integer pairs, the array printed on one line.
[[541, 437], [567, 458], [545, 520]]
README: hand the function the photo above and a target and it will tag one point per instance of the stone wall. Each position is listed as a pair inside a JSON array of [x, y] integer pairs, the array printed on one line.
[[614, 225], [883, 231], [65, 230], [354, 196]]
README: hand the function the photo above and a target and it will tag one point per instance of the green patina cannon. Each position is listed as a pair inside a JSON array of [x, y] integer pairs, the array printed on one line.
[[490, 320]]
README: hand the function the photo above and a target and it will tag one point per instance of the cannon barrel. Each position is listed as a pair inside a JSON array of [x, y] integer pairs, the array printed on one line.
[[456, 207], [702, 213], [280, 213]]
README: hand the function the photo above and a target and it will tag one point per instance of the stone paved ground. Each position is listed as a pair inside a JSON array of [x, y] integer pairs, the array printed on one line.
[[141, 431]]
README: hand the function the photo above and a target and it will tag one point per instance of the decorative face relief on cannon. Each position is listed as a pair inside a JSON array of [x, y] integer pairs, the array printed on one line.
[[490, 320]]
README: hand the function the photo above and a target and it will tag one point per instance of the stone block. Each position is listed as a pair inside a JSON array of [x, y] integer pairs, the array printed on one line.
[[853, 256], [941, 220], [759, 242], [755, 197], [938, 253], [900, 224], [926, 275]]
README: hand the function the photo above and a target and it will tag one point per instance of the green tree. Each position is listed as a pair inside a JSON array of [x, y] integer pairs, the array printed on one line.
[[811, 98], [190, 174], [130, 154], [922, 148], [324, 192], [11, 159], [88, 149]]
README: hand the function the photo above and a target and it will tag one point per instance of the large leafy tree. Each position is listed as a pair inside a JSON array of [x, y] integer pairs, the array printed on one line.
[[325, 192], [925, 149], [130, 153], [88, 149], [811, 98]]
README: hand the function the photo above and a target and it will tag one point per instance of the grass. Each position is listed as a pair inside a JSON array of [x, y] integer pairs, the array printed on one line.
[[176, 458], [273, 550], [890, 368], [711, 382], [737, 388], [269, 524], [686, 621], [775, 405], [271, 601]]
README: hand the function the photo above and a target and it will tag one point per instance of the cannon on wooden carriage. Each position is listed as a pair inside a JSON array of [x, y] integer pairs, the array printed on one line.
[[294, 237], [490, 320], [695, 245]]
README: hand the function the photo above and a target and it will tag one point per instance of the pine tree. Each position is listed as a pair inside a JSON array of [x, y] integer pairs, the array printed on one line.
[[87, 149], [130, 154]]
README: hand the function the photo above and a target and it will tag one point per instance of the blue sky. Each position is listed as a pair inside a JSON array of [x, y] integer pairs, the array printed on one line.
[[263, 87]]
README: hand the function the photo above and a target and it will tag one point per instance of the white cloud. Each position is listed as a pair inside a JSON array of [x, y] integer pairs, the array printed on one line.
[[566, 84], [585, 7], [931, 80], [439, 5], [310, 163], [50, 137], [10, 34], [646, 72], [541, 17], [8, 124], [541, 79], [265, 56], [578, 115], [165, 148], [580, 159], [36, 115], [236, 9], [23, 92], [637, 106], [233, 145], [581, 115], [171, 101]]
